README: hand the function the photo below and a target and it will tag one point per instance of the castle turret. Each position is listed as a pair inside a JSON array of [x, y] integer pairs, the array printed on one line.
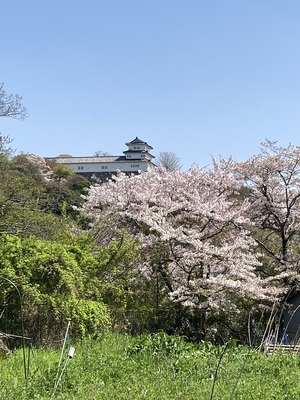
[[138, 150]]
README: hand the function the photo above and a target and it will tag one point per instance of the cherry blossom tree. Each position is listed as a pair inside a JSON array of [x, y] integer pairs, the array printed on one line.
[[192, 230], [271, 181]]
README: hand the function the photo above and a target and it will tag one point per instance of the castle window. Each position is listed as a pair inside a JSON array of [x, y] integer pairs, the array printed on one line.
[[104, 166], [134, 165], [80, 168]]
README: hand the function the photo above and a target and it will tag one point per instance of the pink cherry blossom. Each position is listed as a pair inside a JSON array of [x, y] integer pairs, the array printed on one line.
[[194, 231]]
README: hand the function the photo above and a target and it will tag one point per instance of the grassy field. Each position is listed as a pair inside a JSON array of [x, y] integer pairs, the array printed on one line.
[[156, 367]]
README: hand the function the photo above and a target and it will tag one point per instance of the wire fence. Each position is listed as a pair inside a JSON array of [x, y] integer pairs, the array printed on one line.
[[41, 328]]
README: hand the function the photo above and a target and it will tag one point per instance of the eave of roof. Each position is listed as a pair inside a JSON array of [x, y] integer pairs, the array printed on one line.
[[96, 160], [138, 141]]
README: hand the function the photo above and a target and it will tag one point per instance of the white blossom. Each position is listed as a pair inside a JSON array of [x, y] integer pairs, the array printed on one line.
[[201, 226]]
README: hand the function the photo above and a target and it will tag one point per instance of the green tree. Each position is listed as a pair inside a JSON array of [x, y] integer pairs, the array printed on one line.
[[5, 149], [61, 172], [32, 203], [52, 278], [78, 183], [21, 195]]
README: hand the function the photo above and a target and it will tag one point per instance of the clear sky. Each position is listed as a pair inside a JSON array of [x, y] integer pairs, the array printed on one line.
[[199, 78]]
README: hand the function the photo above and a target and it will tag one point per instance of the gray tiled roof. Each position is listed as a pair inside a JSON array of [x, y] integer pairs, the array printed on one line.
[[138, 141], [91, 160]]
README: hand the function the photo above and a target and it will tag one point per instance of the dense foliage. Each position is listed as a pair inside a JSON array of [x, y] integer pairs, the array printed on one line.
[[53, 278], [187, 252], [33, 203], [61, 274]]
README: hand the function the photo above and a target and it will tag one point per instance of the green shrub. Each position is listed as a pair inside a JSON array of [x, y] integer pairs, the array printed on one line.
[[158, 344]]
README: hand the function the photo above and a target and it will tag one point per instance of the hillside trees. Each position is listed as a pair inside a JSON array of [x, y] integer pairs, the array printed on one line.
[[33, 203], [61, 274], [19, 196], [193, 236]]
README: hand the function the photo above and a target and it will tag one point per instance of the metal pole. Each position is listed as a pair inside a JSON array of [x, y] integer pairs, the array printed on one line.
[[22, 322]]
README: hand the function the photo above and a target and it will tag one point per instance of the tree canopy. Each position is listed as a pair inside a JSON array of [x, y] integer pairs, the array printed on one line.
[[193, 232], [272, 181]]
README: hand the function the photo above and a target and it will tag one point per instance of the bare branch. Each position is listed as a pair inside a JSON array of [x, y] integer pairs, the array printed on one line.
[[169, 160], [11, 105]]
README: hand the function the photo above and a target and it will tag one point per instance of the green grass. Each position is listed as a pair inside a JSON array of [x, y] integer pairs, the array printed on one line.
[[155, 367]]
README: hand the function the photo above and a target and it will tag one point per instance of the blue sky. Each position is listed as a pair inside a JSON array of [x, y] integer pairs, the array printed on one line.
[[198, 78]]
